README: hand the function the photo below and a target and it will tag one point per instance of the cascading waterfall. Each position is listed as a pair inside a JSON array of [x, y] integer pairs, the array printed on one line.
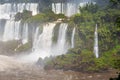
[[61, 47], [1, 30], [35, 38], [43, 45], [17, 30], [7, 10], [72, 38], [12, 28], [70, 7], [96, 48], [25, 33], [11, 31], [57, 8], [65, 8]]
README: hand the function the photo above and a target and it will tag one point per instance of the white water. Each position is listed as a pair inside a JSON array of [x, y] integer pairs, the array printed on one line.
[[12, 28], [1, 27], [35, 38], [57, 8], [25, 34], [8, 10], [61, 47], [96, 48], [0, 30], [72, 38], [70, 8], [65, 8], [11, 31], [43, 45]]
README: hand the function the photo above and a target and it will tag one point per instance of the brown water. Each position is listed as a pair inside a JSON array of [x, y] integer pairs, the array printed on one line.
[[40, 74], [11, 69]]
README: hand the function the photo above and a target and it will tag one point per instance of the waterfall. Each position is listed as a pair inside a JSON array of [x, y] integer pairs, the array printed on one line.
[[72, 38], [35, 38], [8, 31], [61, 46], [96, 48], [0, 30], [17, 30], [2, 23], [42, 44], [25, 34], [11, 31], [8, 10], [57, 8], [12, 28], [70, 7]]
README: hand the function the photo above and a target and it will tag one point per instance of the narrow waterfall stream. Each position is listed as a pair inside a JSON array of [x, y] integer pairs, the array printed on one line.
[[25, 33], [72, 38], [96, 48]]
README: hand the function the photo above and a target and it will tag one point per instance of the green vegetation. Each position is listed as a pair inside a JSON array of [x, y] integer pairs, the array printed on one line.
[[85, 61], [24, 47], [91, 7], [81, 58], [45, 16], [23, 16]]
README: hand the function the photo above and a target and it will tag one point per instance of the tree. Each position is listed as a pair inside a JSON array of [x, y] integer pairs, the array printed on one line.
[[115, 4], [90, 7]]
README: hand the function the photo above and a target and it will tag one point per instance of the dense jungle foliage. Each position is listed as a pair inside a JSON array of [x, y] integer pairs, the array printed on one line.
[[81, 58]]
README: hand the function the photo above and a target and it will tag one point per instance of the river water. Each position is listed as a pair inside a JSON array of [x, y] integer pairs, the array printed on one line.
[[12, 69]]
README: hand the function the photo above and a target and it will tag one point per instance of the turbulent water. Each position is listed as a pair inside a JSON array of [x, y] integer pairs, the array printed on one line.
[[11, 69], [43, 44], [96, 48]]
